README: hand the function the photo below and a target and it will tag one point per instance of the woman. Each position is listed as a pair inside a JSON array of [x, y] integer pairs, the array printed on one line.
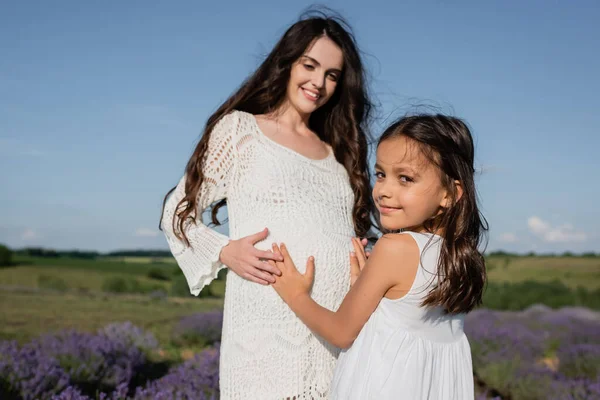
[[288, 152]]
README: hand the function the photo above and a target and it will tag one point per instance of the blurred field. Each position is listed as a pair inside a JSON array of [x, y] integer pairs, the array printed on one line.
[[142, 260], [572, 271], [29, 306], [24, 315], [89, 275]]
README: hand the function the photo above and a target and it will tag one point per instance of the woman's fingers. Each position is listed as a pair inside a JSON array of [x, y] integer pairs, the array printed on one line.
[[268, 255], [266, 266], [248, 276], [258, 236], [261, 275]]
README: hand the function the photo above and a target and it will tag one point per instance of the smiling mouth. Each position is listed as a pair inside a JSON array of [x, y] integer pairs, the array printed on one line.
[[311, 95], [387, 210]]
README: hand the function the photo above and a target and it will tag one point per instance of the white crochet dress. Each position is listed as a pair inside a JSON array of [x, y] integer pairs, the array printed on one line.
[[266, 352]]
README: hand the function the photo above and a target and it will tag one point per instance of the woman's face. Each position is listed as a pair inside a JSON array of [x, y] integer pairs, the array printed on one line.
[[314, 76]]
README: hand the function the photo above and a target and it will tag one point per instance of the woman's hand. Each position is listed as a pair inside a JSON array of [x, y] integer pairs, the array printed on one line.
[[248, 262], [358, 259], [292, 284]]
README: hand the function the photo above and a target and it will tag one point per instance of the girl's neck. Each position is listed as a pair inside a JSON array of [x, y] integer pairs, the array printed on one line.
[[422, 229]]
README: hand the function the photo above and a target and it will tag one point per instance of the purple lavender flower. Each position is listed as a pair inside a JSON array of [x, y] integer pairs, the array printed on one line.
[[29, 373], [130, 334], [564, 388], [196, 379], [580, 360], [70, 393], [92, 363], [199, 329]]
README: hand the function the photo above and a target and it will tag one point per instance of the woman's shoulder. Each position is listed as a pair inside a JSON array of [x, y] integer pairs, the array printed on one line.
[[235, 123]]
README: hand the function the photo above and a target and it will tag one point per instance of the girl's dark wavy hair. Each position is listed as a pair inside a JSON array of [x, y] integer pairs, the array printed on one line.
[[448, 144], [342, 122]]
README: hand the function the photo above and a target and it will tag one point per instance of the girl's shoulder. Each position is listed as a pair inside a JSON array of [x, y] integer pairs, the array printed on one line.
[[395, 251]]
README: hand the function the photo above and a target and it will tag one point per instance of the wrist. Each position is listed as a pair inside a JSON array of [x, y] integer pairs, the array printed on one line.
[[299, 300], [223, 254]]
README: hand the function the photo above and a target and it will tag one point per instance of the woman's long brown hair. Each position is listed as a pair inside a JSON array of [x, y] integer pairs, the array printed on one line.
[[341, 122], [447, 142]]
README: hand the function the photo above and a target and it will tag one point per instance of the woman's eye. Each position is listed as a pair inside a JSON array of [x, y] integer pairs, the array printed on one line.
[[333, 77]]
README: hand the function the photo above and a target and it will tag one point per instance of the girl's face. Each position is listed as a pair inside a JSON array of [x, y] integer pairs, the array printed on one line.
[[314, 76], [408, 190]]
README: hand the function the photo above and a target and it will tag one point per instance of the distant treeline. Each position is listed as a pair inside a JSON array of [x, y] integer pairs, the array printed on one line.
[[89, 255], [43, 252], [502, 253]]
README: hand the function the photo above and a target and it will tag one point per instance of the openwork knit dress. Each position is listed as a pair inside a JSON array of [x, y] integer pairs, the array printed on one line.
[[266, 352]]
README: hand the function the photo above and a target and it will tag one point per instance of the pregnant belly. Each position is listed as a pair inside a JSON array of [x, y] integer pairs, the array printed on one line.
[[250, 301]]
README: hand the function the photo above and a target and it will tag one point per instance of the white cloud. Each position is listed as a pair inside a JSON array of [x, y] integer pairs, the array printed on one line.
[[145, 232], [554, 234], [29, 234], [508, 238]]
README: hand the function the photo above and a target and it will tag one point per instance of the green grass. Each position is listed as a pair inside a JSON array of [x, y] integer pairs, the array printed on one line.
[[81, 279], [26, 311], [141, 260], [24, 315], [572, 271], [101, 265]]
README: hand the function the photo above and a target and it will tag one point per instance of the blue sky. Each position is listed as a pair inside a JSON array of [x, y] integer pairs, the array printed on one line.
[[101, 104]]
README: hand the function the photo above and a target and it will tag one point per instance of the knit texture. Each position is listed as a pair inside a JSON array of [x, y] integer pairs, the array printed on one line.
[[266, 351]]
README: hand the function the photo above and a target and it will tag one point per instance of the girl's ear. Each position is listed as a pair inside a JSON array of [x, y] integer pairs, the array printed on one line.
[[448, 201]]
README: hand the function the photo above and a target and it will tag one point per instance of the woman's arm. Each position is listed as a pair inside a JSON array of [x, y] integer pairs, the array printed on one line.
[[394, 259], [210, 251]]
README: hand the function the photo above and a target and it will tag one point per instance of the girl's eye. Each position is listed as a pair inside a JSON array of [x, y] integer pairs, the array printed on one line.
[[404, 178], [309, 67], [379, 175]]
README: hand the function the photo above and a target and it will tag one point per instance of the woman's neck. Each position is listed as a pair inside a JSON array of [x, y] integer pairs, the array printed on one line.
[[289, 116]]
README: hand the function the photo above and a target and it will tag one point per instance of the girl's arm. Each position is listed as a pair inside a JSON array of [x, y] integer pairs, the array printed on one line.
[[393, 261]]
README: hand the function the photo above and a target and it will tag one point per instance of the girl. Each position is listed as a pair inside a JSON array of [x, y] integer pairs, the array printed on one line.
[[288, 149], [404, 314]]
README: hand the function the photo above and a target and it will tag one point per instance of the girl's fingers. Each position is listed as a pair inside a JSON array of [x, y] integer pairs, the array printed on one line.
[[354, 267], [358, 250], [276, 250], [310, 269], [287, 260], [280, 264]]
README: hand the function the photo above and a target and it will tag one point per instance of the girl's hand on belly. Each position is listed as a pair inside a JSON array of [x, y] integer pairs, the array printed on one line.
[[292, 284], [358, 259]]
